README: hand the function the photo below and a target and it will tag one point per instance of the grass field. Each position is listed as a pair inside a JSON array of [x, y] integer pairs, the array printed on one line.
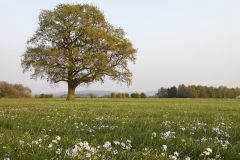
[[119, 129]]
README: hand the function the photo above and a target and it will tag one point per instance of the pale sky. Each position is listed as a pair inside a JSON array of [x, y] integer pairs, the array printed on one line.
[[179, 42]]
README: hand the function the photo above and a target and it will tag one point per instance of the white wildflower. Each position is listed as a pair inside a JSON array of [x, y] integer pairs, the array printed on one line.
[[88, 148], [58, 138], [154, 135], [187, 158], [128, 141], [168, 134], [209, 150], [107, 145], [116, 142], [50, 145], [224, 146], [54, 141], [123, 145], [58, 151], [173, 157], [218, 156], [164, 147], [75, 150], [203, 139], [93, 150], [176, 153], [115, 152], [88, 155], [36, 142], [206, 153], [21, 142], [81, 144], [85, 143]]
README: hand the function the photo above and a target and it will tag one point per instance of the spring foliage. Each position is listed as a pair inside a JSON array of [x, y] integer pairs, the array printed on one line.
[[8, 90], [199, 91], [75, 44]]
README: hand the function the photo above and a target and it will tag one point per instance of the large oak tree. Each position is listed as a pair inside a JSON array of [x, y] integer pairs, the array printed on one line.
[[75, 44]]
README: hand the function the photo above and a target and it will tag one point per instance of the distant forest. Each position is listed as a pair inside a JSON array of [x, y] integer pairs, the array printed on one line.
[[199, 91], [8, 90]]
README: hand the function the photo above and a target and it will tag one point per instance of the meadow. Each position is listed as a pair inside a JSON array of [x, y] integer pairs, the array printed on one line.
[[120, 129]]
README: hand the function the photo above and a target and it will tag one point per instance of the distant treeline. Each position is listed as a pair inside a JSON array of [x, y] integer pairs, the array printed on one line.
[[126, 95], [8, 90], [199, 91], [43, 95]]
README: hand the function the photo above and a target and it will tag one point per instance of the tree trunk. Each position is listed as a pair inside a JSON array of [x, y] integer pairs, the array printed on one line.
[[71, 92]]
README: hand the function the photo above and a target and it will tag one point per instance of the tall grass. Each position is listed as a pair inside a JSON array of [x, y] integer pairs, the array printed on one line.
[[119, 129]]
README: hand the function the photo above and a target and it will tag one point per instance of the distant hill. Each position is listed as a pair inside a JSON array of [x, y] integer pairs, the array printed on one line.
[[150, 93], [96, 93]]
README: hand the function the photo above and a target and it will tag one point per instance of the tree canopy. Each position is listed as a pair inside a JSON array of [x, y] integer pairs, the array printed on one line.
[[75, 44]]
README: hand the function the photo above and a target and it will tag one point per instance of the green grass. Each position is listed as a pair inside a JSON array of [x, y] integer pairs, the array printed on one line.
[[135, 128]]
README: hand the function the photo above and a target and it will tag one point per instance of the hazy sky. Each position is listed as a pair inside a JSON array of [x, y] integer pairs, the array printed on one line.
[[179, 42]]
